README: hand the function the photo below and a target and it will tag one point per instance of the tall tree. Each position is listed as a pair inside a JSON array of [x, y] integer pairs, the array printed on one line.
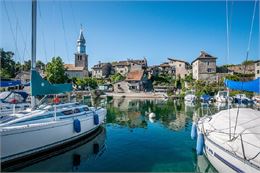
[[40, 65], [26, 65], [55, 71], [7, 64]]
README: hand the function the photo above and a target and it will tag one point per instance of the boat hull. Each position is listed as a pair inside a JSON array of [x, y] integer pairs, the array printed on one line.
[[225, 161], [22, 141]]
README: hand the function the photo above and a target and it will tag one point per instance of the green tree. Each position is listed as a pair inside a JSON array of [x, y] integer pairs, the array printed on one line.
[[7, 65], [116, 77], [55, 71], [26, 65], [40, 65]]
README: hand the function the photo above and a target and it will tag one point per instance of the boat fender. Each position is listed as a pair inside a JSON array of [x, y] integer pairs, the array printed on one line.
[[96, 119], [200, 144], [193, 133], [77, 126]]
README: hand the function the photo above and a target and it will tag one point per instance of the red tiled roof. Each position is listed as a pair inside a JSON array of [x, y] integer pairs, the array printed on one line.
[[135, 75]]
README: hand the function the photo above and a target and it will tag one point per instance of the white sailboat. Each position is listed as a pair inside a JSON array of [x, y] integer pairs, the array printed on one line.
[[13, 101], [230, 139], [222, 96], [45, 126], [190, 97]]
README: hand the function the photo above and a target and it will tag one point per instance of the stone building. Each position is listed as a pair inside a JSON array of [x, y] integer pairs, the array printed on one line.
[[137, 80], [80, 66], [124, 67], [257, 69], [102, 70], [204, 67], [182, 68], [165, 68], [242, 69]]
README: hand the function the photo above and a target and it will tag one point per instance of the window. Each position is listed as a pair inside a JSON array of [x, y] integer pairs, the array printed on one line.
[[86, 109], [76, 111], [179, 65], [209, 70], [68, 112], [258, 64], [258, 71]]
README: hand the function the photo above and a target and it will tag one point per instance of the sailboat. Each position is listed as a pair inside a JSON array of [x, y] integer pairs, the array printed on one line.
[[230, 138], [45, 126]]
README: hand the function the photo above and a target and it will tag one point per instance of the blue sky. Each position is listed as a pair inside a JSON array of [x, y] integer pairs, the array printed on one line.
[[121, 30]]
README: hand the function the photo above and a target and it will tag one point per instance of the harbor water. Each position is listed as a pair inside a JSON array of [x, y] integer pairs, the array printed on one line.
[[139, 135]]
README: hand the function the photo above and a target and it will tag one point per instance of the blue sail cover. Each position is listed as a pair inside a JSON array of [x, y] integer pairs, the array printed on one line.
[[10, 83], [253, 85], [39, 86]]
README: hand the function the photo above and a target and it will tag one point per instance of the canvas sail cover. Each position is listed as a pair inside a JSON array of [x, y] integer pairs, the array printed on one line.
[[39, 86], [253, 85]]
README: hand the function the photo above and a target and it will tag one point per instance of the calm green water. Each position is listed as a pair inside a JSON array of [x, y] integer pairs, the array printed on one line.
[[130, 141]]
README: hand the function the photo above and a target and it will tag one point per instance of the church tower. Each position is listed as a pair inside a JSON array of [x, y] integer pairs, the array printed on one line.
[[81, 58]]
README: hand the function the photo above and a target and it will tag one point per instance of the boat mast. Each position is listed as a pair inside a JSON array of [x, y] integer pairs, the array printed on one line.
[[33, 53]]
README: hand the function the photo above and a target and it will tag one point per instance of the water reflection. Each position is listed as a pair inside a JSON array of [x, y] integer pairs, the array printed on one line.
[[138, 113], [71, 160], [141, 135]]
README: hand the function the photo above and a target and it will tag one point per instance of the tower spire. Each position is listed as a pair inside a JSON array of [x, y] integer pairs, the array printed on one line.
[[81, 41]]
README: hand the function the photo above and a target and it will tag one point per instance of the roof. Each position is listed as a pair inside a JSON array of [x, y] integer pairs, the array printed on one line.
[[130, 61], [101, 65], [165, 65], [204, 55], [135, 75], [71, 67], [173, 59]]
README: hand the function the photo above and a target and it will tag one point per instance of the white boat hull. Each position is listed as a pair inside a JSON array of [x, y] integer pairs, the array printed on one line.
[[26, 140], [225, 161]]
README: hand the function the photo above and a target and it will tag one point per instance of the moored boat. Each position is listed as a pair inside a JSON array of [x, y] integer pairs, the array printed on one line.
[[13, 101], [222, 96], [230, 139], [46, 127], [190, 96]]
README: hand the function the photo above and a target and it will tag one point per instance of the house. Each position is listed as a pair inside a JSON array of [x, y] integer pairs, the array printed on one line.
[[165, 68], [121, 67], [102, 70], [242, 69], [182, 68], [137, 80], [24, 76], [204, 67], [257, 69], [124, 67], [80, 67]]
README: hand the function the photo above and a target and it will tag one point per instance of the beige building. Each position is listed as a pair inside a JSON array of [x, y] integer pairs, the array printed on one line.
[[80, 67], [101, 70], [182, 68], [73, 71], [257, 69], [247, 69], [204, 67], [124, 67]]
